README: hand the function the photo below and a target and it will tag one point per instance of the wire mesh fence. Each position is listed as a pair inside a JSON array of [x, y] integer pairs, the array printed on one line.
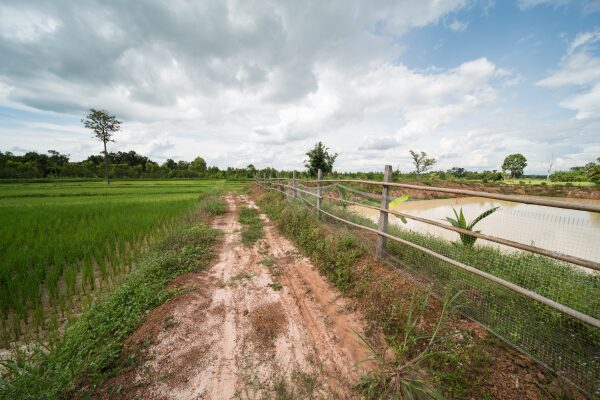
[[568, 343]]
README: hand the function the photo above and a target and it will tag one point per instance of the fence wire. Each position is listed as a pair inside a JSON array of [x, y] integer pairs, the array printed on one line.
[[561, 342]]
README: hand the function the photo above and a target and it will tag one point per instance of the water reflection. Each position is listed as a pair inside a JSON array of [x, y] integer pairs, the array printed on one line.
[[571, 232]]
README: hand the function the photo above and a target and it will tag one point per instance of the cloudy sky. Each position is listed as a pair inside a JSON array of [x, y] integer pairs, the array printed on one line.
[[239, 82]]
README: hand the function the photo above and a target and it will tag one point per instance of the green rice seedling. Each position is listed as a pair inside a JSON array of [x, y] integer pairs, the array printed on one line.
[[461, 222], [58, 240], [91, 347]]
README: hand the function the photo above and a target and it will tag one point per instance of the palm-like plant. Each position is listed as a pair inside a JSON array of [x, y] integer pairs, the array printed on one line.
[[461, 222], [396, 202]]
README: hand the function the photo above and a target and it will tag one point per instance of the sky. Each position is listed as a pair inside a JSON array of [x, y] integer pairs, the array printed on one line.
[[260, 82]]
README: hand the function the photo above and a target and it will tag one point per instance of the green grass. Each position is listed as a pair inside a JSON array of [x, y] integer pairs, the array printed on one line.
[[91, 347], [557, 340], [213, 205], [62, 240], [252, 229], [527, 181], [525, 323]]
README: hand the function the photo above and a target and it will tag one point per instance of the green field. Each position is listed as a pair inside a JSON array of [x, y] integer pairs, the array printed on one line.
[[62, 241], [527, 181]]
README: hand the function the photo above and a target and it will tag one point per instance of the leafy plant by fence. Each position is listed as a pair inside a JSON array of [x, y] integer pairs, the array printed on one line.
[[544, 302]]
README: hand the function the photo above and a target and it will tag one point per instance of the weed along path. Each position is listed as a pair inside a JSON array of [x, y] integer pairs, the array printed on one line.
[[261, 323]]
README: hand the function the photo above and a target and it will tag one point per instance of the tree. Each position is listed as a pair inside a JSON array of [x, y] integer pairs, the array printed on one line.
[[104, 127], [198, 165], [170, 164], [515, 163], [319, 158], [251, 171], [458, 172], [593, 171], [421, 162], [130, 158]]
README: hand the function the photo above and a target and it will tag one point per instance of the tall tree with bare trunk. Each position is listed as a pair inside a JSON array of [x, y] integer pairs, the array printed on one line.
[[421, 162], [104, 127]]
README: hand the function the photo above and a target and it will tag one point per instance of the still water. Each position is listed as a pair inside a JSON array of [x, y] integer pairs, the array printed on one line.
[[572, 232]]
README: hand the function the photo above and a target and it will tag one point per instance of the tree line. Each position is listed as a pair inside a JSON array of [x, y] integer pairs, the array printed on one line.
[[135, 166], [122, 165], [512, 167]]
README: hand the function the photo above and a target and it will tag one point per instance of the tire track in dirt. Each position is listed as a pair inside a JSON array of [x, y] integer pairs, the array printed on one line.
[[260, 322]]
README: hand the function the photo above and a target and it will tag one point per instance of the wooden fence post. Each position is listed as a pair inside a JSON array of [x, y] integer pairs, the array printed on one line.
[[295, 192], [319, 192], [383, 216]]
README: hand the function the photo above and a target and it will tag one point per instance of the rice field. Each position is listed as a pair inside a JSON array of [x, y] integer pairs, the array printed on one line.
[[62, 243]]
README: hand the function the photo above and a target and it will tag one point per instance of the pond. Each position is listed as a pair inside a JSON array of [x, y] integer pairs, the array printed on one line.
[[571, 232]]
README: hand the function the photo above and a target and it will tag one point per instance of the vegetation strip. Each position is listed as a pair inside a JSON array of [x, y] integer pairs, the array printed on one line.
[[252, 225], [405, 318], [524, 323], [91, 346]]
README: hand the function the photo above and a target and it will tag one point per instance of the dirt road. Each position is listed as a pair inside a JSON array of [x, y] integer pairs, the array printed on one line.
[[261, 323]]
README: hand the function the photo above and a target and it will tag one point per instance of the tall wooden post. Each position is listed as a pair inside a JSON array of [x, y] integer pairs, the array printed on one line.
[[383, 216], [295, 192], [319, 192]]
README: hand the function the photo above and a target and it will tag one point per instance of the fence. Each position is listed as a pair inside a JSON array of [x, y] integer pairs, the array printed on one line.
[[541, 296]]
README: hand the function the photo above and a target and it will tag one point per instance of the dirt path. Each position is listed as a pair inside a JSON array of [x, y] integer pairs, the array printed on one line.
[[261, 323]]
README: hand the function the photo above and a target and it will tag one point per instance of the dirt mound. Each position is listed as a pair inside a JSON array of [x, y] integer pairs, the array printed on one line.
[[268, 321]]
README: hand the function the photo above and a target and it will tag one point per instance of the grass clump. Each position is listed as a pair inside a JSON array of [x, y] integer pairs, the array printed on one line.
[[401, 376], [91, 346], [252, 229], [268, 261], [213, 205]]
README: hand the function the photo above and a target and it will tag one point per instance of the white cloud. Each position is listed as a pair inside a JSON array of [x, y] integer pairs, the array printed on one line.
[[579, 71], [24, 25], [458, 26], [259, 82], [587, 6]]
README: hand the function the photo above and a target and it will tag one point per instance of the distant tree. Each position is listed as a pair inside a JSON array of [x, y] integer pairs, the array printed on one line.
[[458, 172], [198, 165], [130, 158], [41, 162], [593, 171], [57, 161], [251, 171], [515, 163], [170, 164], [104, 127], [183, 165], [94, 159], [319, 158], [421, 162], [58, 158]]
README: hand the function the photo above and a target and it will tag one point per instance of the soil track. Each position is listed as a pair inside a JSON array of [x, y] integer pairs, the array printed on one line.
[[260, 323]]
